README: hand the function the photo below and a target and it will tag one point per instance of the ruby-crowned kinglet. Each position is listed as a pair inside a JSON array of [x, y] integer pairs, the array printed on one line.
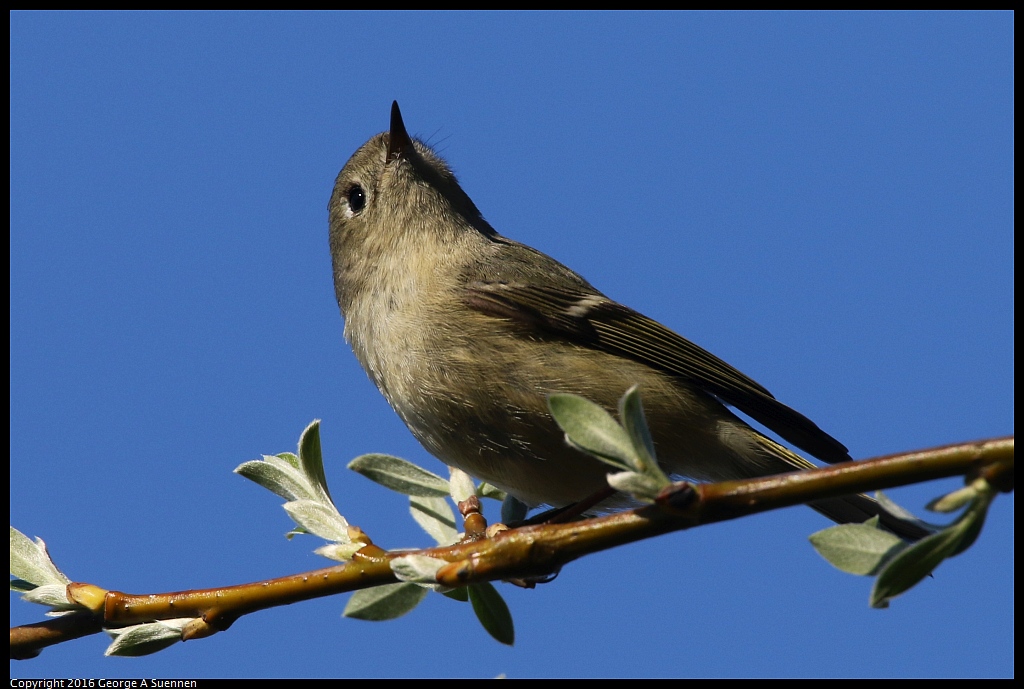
[[466, 333]]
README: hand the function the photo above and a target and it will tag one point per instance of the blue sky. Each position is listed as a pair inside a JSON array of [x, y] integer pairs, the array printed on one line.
[[823, 200]]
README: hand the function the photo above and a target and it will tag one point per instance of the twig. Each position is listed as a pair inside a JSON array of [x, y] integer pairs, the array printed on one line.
[[524, 552]]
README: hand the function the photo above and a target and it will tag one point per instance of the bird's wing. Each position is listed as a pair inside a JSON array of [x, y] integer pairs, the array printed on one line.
[[584, 316]]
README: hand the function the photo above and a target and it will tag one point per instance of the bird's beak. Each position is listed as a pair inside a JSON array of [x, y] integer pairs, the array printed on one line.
[[399, 143]]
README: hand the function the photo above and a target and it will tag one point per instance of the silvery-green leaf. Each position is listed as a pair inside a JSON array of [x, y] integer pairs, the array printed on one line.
[[640, 486], [593, 430], [384, 602], [278, 476], [461, 483], [53, 595], [894, 508], [856, 548], [513, 510], [904, 514], [951, 502], [973, 519], [459, 594], [339, 553], [417, 569], [311, 458], [288, 461], [144, 639], [21, 586], [486, 490], [918, 560], [491, 610], [288, 457], [400, 476], [435, 517], [631, 412], [979, 490], [317, 518], [31, 562]]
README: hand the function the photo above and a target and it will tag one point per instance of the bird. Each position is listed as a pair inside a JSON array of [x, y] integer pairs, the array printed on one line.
[[467, 332]]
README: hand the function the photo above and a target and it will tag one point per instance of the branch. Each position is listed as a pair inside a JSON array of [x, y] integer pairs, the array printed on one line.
[[520, 553]]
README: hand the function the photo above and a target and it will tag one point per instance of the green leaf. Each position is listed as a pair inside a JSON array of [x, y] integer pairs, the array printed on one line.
[[400, 476], [417, 569], [491, 610], [461, 485], [951, 502], [460, 594], [311, 457], [384, 602], [974, 519], [856, 548], [631, 411], [31, 562], [914, 563], [339, 553], [593, 430], [640, 486], [486, 490], [979, 492], [903, 514], [319, 519], [290, 458], [435, 517], [921, 558], [53, 595], [279, 476], [144, 639]]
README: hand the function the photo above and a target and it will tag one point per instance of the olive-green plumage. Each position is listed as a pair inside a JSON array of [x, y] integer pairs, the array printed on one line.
[[466, 332]]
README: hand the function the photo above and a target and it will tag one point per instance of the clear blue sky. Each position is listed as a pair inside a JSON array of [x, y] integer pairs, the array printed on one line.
[[823, 200]]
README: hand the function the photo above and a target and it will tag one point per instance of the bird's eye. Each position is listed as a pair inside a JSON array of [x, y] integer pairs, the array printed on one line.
[[356, 198]]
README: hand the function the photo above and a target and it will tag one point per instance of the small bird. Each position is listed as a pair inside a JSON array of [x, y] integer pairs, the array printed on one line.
[[466, 333]]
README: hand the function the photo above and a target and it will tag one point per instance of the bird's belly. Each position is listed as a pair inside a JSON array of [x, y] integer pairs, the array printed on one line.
[[498, 427]]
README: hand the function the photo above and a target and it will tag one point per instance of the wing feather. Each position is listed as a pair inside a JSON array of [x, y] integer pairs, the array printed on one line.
[[585, 316]]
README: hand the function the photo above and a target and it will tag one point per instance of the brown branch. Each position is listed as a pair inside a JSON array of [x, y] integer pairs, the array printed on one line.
[[523, 552], [29, 640]]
